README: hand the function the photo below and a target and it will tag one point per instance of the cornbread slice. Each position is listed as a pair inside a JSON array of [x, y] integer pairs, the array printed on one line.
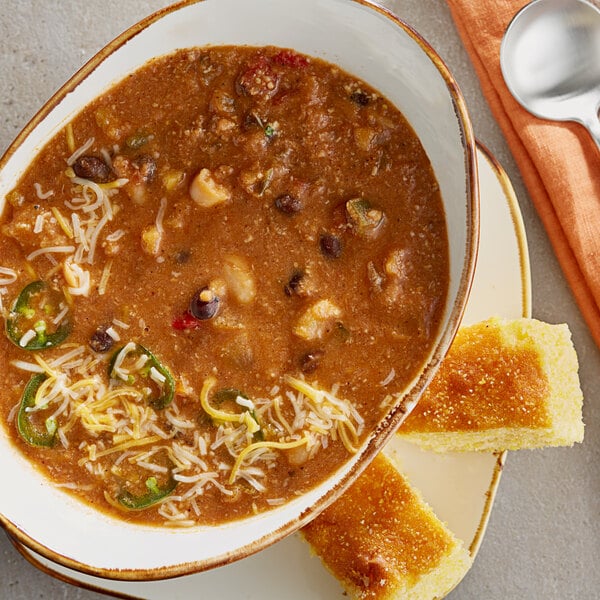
[[381, 541], [504, 385]]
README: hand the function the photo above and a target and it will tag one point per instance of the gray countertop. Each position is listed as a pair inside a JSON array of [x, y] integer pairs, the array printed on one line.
[[543, 538]]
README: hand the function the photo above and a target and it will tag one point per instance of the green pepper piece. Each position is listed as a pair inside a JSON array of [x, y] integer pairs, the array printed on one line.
[[27, 430], [228, 394], [155, 494], [137, 140], [34, 309], [259, 436], [364, 218], [167, 387]]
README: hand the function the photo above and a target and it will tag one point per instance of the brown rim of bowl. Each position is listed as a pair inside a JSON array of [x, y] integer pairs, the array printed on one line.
[[394, 418]]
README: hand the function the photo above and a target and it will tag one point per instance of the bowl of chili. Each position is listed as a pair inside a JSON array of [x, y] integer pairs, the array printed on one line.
[[327, 81]]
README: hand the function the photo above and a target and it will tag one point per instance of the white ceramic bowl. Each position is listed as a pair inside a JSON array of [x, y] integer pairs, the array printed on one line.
[[364, 40]]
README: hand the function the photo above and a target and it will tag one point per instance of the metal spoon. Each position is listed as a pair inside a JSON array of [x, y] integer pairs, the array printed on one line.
[[550, 59]]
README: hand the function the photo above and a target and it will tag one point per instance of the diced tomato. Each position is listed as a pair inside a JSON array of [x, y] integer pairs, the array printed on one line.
[[287, 58], [185, 321]]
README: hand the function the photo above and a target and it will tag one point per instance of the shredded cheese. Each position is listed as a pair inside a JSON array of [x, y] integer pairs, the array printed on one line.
[[45, 366], [80, 151], [61, 360], [40, 194], [26, 366], [104, 279], [114, 184], [258, 445], [106, 156], [113, 334], [245, 402], [331, 413], [61, 315], [390, 377], [156, 375], [282, 419], [64, 224], [95, 236], [7, 276], [96, 211], [115, 236], [160, 216], [50, 250], [125, 431], [130, 444], [27, 337], [117, 366], [79, 279], [38, 225], [78, 231]]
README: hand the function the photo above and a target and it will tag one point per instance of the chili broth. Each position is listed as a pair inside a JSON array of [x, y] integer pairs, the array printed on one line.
[[249, 247]]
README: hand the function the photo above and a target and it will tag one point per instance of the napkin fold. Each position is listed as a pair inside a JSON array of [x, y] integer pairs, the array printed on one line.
[[559, 162]]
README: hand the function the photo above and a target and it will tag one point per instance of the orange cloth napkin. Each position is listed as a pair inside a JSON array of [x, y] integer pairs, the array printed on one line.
[[559, 162]]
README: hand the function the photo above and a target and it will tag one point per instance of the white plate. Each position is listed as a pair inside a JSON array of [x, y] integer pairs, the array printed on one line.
[[459, 487]]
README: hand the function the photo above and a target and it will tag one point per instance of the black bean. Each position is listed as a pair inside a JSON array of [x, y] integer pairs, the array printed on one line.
[[204, 305], [331, 245], [288, 204], [101, 341], [92, 168], [310, 361], [359, 98], [294, 282]]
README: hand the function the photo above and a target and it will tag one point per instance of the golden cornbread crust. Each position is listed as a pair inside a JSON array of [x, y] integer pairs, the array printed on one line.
[[504, 385], [381, 540]]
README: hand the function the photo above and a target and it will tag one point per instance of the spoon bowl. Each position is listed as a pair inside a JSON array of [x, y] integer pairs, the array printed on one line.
[[550, 60]]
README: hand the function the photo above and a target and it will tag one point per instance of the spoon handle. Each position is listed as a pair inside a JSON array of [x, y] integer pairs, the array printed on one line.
[[593, 126]]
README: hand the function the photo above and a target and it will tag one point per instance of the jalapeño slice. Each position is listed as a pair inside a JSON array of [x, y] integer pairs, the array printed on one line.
[[40, 318], [138, 490], [137, 366], [154, 494], [34, 434]]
